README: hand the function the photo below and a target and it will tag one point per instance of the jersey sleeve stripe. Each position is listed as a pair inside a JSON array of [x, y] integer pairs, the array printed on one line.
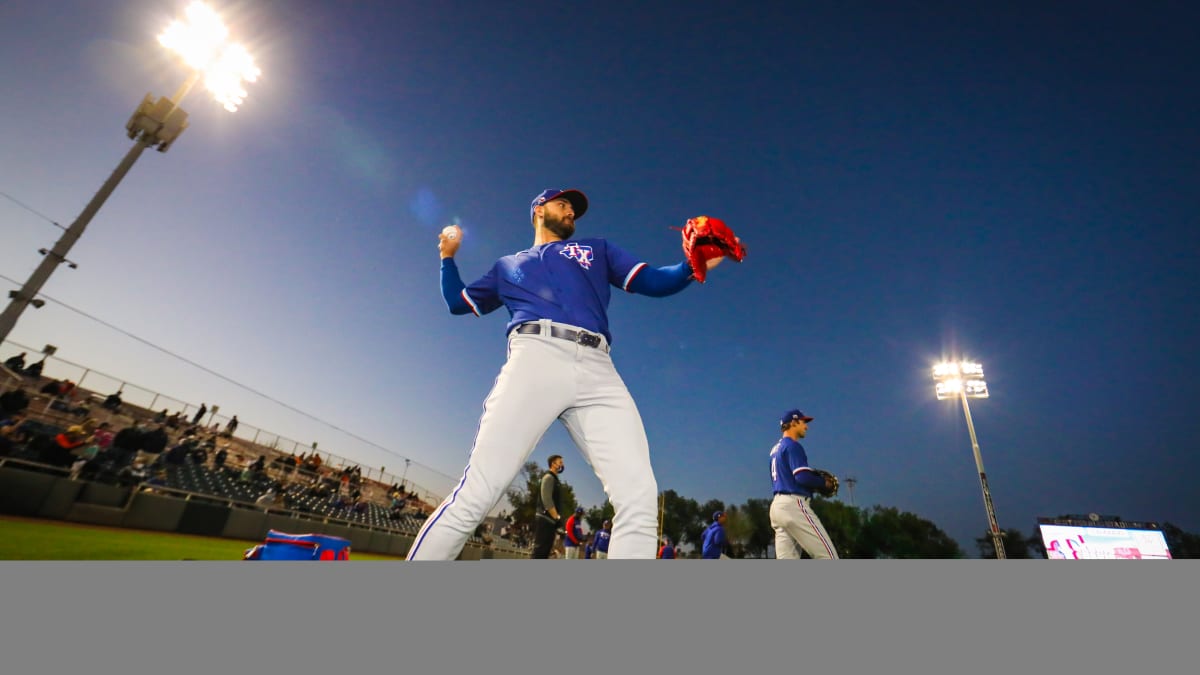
[[803, 468], [632, 273], [470, 302]]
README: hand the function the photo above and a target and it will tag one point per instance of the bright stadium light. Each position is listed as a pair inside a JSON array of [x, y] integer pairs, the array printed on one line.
[[964, 380], [201, 44], [156, 123], [199, 40]]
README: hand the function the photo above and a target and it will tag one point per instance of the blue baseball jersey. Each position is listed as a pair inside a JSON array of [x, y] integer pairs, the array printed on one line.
[[714, 542], [565, 281], [601, 538], [790, 472]]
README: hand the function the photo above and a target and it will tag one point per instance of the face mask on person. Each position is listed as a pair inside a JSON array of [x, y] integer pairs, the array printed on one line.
[[560, 468]]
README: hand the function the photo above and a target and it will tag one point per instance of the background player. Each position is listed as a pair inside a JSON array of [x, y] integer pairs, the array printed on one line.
[[795, 523], [549, 512], [573, 535], [600, 537], [557, 294], [714, 543]]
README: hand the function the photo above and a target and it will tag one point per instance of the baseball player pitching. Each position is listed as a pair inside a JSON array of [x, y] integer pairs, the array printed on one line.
[[795, 523], [558, 368]]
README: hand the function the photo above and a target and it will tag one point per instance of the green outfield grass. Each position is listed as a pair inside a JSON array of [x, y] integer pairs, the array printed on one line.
[[33, 539]]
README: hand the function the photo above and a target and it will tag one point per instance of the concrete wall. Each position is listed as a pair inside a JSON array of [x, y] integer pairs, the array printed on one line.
[[23, 492], [246, 524], [154, 512], [46, 495], [62, 496]]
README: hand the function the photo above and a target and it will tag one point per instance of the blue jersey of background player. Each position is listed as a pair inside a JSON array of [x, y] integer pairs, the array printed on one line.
[[714, 540], [600, 538], [790, 472], [795, 523]]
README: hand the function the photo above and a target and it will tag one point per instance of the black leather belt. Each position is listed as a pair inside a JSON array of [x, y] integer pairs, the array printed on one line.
[[580, 336]]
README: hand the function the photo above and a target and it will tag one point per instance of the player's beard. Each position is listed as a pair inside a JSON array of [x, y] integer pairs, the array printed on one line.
[[560, 227]]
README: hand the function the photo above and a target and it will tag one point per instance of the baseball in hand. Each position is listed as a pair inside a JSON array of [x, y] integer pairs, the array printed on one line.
[[451, 231]]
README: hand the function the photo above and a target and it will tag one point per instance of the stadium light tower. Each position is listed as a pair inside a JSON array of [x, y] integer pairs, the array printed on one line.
[[157, 122], [963, 380]]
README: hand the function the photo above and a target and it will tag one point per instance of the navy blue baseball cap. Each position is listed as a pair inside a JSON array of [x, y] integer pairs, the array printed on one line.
[[717, 515], [578, 509], [578, 200], [793, 415]]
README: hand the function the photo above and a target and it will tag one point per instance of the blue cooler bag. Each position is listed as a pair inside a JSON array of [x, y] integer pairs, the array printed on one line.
[[284, 546]]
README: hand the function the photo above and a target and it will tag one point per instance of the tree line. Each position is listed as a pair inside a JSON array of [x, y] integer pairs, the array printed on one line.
[[874, 532]]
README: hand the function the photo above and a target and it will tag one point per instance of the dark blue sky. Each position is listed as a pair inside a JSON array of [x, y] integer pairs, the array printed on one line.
[[1015, 184]]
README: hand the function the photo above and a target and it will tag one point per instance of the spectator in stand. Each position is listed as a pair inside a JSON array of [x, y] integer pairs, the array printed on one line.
[[269, 499], [199, 454], [132, 474], [399, 503], [231, 426], [11, 433], [62, 452], [219, 458], [79, 464], [161, 418], [113, 401], [178, 453], [155, 479], [126, 445], [103, 437], [16, 363], [35, 371], [12, 402], [155, 440], [200, 414], [176, 420], [80, 434]]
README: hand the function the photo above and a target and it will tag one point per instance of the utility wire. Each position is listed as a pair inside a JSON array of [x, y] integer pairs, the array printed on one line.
[[32, 210], [227, 379]]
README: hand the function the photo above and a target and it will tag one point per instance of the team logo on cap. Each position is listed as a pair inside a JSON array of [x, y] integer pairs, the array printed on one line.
[[580, 254]]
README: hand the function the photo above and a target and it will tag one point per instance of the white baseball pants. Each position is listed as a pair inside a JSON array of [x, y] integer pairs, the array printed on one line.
[[797, 526], [547, 378]]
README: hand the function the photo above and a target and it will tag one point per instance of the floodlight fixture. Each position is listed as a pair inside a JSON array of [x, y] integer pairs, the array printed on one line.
[[963, 380]]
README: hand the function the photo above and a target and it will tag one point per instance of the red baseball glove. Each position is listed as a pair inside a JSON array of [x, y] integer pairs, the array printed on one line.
[[705, 238]]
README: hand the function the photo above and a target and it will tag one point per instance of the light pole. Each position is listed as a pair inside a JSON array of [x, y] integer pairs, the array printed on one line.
[[964, 380], [156, 122]]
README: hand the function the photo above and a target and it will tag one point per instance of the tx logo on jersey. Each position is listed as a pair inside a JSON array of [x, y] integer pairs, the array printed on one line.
[[580, 254]]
